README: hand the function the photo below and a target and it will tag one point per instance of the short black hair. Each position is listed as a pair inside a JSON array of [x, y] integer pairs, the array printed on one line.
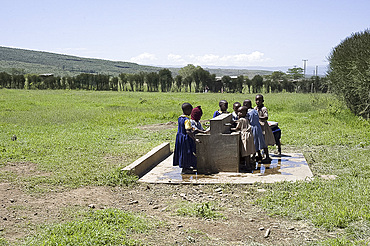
[[259, 95], [186, 106], [243, 108], [223, 102], [247, 103]]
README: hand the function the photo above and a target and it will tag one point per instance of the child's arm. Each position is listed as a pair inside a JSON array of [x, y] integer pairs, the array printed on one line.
[[191, 135], [264, 117], [237, 128], [189, 131]]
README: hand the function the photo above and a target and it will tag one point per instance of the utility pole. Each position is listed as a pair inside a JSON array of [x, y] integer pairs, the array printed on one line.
[[304, 67]]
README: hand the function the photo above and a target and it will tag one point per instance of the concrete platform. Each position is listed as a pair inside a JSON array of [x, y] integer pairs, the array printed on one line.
[[287, 167]]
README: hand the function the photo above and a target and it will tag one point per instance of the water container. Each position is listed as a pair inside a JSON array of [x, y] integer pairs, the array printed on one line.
[[263, 168]]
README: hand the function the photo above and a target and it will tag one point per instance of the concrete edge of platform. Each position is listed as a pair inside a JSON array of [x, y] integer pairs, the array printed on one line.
[[149, 160]]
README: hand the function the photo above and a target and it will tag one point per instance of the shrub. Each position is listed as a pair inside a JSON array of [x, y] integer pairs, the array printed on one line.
[[349, 72]]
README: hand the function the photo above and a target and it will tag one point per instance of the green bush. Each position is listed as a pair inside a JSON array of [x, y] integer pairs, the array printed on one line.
[[349, 72]]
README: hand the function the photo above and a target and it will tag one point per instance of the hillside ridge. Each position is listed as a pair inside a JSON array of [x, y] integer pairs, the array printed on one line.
[[23, 61]]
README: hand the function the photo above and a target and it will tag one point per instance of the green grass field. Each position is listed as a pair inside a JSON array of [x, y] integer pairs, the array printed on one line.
[[74, 136]]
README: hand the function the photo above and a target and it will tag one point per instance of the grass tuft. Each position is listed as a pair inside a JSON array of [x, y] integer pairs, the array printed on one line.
[[118, 177], [3, 242], [100, 227], [204, 210]]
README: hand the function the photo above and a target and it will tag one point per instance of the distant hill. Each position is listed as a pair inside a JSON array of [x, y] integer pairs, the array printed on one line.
[[40, 62]]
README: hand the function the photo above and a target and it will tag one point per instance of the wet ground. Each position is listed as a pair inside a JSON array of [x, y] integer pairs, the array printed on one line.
[[289, 167]]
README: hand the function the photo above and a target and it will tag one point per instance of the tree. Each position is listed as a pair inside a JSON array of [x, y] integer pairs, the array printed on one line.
[[226, 82], [239, 81], [123, 82], [152, 80], [139, 79], [196, 78], [295, 73], [5, 80], [178, 81], [248, 82], [131, 81], [287, 85], [257, 83], [349, 72], [187, 83], [267, 83], [200, 77], [187, 71], [114, 84], [277, 78], [165, 79]]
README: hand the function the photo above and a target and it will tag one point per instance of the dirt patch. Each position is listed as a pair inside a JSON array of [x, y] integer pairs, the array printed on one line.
[[115, 159], [158, 127], [165, 126], [243, 222], [23, 169]]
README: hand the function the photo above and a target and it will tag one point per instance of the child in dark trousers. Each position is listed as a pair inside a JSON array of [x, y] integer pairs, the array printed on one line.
[[277, 135], [184, 154]]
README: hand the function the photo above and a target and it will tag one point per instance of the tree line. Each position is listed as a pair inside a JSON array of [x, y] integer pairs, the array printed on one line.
[[189, 79]]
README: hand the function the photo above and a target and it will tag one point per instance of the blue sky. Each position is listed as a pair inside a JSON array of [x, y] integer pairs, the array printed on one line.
[[206, 33]]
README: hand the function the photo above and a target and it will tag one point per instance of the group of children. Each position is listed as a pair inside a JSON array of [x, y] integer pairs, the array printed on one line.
[[255, 131]]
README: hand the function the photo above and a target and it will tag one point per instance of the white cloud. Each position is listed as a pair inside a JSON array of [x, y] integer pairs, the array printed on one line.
[[253, 58], [144, 58], [175, 59]]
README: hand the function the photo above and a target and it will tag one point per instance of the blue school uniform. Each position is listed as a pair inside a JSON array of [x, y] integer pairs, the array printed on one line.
[[184, 154], [254, 120], [218, 112]]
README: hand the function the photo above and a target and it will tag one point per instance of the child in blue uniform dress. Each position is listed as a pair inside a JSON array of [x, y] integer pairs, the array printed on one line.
[[259, 140], [184, 154]]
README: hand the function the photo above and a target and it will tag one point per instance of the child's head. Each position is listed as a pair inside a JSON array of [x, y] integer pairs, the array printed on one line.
[[236, 105], [242, 111], [186, 108], [196, 113], [223, 105], [259, 100], [247, 103]]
